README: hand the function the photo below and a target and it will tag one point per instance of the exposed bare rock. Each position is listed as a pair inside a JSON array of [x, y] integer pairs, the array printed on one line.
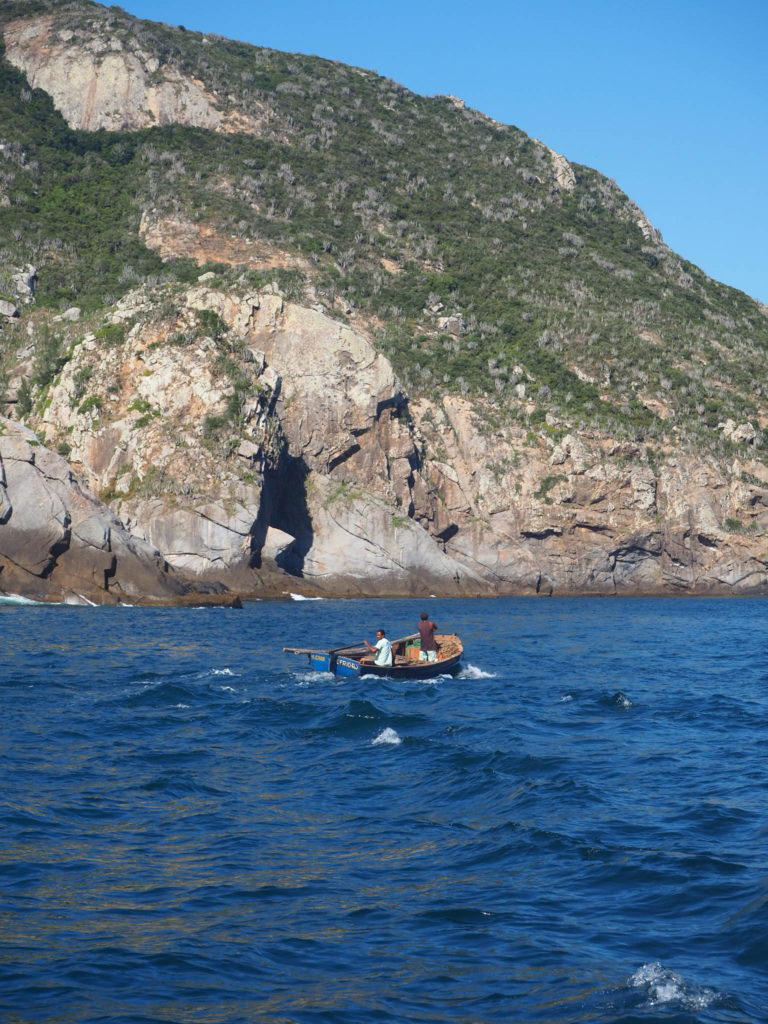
[[347, 432], [145, 415], [24, 282], [322, 449], [565, 178], [738, 432], [71, 314], [362, 546], [588, 514], [175, 237], [246, 437], [57, 541], [99, 82]]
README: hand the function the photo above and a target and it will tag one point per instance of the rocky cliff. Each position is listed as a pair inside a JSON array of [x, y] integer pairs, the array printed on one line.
[[429, 356], [59, 543], [97, 80], [264, 445], [247, 437]]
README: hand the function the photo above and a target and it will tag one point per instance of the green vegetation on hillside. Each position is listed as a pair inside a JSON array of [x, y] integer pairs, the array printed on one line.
[[488, 277]]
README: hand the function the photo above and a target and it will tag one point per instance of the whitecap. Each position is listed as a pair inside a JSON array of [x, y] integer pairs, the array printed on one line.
[[228, 689], [182, 705], [386, 736], [566, 697], [473, 672], [307, 678], [302, 597], [662, 985], [18, 599], [223, 672]]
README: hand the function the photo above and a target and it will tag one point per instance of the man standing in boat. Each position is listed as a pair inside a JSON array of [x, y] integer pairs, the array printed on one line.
[[427, 630], [383, 649]]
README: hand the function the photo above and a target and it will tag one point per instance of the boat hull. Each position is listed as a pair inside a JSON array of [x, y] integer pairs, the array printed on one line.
[[419, 670], [355, 661]]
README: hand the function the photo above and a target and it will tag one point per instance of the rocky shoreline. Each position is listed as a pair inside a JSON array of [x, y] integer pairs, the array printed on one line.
[[58, 543], [331, 481]]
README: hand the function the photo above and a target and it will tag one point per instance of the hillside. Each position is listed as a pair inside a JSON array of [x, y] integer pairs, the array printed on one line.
[[564, 403]]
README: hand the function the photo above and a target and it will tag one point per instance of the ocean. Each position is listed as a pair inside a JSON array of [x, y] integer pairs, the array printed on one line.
[[198, 829]]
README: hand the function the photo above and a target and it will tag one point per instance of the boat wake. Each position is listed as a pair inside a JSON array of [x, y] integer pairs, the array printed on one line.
[[473, 672], [311, 677]]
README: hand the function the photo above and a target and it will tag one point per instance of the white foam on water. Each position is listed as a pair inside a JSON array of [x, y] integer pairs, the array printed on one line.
[[566, 697], [473, 672], [301, 597], [663, 985], [310, 677], [386, 736], [223, 672], [182, 705], [228, 689], [18, 599]]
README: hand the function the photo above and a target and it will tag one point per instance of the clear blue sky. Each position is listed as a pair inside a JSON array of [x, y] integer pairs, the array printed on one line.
[[668, 97]]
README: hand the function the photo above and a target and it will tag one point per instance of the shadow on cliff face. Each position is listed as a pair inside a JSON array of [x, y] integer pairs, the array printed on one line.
[[290, 513]]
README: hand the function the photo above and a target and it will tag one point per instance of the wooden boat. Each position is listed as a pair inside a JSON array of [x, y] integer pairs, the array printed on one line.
[[357, 660]]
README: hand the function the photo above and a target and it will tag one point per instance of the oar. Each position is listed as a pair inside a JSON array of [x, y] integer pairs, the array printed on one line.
[[359, 645], [323, 650]]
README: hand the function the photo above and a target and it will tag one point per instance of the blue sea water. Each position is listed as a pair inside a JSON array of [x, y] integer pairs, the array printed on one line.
[[196, 828]]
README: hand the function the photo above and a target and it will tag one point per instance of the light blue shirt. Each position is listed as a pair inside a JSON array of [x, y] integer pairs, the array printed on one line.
[[383, 656]]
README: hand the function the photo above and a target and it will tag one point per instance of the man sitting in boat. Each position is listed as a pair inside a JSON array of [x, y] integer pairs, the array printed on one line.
[[383, 649], [427, 630]]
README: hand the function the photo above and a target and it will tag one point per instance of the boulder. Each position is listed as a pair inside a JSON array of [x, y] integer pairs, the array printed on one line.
[[25, 282]]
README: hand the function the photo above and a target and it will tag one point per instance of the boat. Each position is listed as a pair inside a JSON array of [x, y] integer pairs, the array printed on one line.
[[357, 660]]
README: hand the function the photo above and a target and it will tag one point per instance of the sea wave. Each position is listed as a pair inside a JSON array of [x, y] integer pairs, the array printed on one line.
[[387, 735], [519, 859], [473, 672], [663, 986], [310, 676]]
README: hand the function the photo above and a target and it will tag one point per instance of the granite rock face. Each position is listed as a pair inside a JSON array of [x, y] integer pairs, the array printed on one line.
[[58, 542], [588, 514], [265, 445], [100, 81], [312, 444], [143, 413]]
